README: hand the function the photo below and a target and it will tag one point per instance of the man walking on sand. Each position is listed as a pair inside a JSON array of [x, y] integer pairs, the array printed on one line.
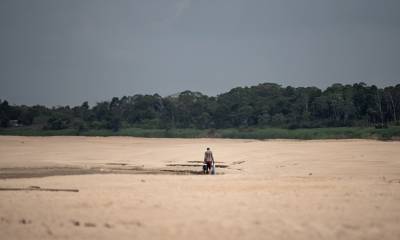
[[208, 160]]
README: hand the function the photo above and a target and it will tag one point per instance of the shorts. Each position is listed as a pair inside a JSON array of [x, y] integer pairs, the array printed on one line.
[[209, 164]]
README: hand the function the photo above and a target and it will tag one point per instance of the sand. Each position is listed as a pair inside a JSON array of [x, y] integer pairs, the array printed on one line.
[[135, 188]]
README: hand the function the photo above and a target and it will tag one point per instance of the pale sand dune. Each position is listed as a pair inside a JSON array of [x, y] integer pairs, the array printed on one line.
[[347, 189]]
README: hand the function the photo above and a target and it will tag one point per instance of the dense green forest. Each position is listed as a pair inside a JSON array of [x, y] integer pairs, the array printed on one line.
[[266, 105]]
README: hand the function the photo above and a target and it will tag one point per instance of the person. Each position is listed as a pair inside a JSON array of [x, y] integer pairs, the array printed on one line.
[[208, 160]]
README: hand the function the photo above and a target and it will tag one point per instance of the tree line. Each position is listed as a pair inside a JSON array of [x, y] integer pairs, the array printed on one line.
[[264, 105]]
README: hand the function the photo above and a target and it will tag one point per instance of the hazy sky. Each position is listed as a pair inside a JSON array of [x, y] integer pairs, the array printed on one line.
[[57, 52]]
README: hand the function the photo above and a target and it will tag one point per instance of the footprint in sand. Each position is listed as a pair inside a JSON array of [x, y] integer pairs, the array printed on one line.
[[238, 162], [24, 221], [89, 224], [135, 223], [76, 223], [2, 219], [107, 225]]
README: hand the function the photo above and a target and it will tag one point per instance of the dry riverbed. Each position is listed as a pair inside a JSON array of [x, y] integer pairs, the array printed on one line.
[[136, 188]]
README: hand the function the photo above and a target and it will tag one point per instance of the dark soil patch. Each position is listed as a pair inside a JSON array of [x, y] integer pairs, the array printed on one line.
[[26, 172], [195, 165]]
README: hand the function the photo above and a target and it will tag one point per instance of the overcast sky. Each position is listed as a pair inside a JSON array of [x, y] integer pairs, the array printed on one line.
[[55, 52]]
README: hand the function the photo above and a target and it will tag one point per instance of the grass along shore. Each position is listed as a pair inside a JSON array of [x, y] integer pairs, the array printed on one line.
[[391, 133]]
